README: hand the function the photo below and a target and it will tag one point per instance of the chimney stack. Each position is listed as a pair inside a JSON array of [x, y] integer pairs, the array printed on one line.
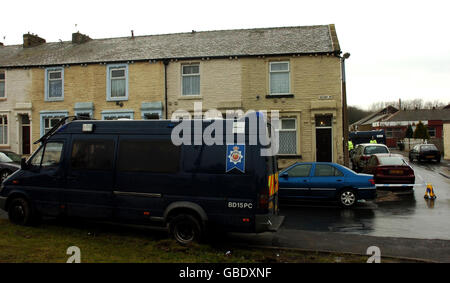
[[32, 40], [79, 38]]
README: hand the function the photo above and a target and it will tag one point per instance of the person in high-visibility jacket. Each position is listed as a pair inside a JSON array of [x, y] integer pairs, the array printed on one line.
[[350, 145], [373, 140]]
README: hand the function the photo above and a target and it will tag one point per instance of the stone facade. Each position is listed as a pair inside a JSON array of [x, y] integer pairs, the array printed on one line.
[[15, 106]]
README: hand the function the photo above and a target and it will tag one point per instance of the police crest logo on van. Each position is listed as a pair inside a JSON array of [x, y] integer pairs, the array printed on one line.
[[235, 157]]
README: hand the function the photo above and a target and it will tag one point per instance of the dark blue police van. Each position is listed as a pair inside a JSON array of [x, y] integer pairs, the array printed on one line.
[[131, 172]]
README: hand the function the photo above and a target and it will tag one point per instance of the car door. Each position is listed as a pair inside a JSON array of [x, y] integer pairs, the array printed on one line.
[[90, 176], [326, 181], [294, 182]]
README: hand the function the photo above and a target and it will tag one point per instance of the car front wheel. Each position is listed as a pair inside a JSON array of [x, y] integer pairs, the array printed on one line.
[[347, 198]]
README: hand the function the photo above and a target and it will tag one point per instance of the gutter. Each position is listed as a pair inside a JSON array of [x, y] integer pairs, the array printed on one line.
[[322, 53], [166, 63]]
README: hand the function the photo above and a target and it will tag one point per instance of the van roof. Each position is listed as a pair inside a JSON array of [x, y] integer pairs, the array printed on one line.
[[149, 127]]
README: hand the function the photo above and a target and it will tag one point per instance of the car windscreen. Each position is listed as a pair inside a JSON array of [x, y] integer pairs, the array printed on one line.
[[428, 147], [369, 150], [4, 158], [391, 160], [14, 157]]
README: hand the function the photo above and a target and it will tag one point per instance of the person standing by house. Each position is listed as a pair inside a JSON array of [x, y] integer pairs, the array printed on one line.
[[373, 140]]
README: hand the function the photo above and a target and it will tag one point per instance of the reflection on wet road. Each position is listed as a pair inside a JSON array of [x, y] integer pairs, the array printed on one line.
[[391, 215]]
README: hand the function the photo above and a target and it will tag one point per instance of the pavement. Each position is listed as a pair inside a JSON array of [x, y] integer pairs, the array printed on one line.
[[421, 249]]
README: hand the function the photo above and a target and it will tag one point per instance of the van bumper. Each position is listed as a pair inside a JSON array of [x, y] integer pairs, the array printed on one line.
[[268, 222], [2, 203]]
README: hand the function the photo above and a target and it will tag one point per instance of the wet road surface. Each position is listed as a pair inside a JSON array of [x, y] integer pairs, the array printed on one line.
[[391, 215]]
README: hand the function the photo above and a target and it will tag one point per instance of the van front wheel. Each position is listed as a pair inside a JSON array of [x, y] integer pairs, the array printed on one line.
[[185, 229], [19, 212]]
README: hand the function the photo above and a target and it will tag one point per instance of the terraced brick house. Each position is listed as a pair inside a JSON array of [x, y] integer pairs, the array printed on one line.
[[296, 70]]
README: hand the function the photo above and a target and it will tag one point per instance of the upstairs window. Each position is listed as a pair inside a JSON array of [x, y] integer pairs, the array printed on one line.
[[2, 85], [117, 85], [54, 84], [279, 78], [190, 79]]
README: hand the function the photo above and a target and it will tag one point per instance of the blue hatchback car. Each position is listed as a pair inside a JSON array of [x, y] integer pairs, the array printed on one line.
[[325, 181]]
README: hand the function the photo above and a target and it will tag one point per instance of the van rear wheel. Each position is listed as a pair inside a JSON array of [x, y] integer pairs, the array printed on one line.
[[185, 229], [20, 212]]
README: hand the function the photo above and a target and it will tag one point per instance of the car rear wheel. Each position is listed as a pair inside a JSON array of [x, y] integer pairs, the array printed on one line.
[[185, 229], [347, 198]]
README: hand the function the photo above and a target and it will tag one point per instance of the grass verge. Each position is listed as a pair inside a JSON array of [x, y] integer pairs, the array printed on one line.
[[101, 243]]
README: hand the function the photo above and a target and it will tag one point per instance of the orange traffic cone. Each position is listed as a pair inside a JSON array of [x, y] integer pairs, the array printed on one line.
[[429, 193]]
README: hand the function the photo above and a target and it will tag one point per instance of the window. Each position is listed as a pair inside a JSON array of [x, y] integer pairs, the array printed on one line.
[[369, 150], [323, 170], [190, 79], [279, 78], [288, 136], [432, 132], [54, 84], [115, 115], [148, 156], [52, 156], [49, 119], [302, 170], [3, 129], [117, 84], [92, 155], [2, 85]]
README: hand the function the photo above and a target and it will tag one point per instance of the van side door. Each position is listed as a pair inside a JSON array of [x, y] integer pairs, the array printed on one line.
[[90, 176], [146, 170]]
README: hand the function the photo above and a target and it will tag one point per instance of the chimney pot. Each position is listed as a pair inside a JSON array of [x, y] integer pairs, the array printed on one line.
[[31, 40], [79, 38]]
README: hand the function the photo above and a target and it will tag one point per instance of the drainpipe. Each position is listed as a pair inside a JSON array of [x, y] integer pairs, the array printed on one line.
[[166, 112], [344, 109]]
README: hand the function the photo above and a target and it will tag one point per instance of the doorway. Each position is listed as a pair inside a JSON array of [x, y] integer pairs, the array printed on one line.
[[324, 138], [26, 134]]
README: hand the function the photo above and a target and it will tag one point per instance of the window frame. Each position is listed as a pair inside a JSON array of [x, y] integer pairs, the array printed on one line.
[[7, 129], [47, 83], [432, 130], [50, 114], [295, 129], [4, 84], [118, 113], [283, 71], [109, 69], [191, 75]]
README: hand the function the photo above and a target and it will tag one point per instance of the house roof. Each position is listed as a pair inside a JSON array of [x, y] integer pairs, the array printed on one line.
[[421, 115], [377, 116], [220, 43]]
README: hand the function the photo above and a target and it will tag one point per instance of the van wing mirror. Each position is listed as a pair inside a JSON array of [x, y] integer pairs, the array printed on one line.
[[23, 164]]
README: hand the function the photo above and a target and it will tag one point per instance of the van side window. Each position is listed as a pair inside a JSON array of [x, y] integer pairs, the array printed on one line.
[[92, 154], [154, 156], [51, 156]]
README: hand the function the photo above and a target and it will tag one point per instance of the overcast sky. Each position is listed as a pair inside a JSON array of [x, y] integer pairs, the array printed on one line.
[[399, 49]]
